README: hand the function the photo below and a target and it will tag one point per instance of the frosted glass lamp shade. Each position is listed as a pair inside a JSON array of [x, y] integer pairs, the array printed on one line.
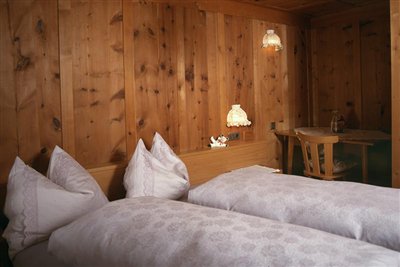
[[237, 117], [272, 39]]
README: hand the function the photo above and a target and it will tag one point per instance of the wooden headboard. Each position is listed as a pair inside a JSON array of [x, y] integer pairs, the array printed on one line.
[[202, 165]]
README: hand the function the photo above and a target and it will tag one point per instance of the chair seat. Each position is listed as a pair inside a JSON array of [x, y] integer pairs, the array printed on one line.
[[339, 166]]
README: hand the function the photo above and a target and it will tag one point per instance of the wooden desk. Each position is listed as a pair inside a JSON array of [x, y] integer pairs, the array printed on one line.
[[364, 138]]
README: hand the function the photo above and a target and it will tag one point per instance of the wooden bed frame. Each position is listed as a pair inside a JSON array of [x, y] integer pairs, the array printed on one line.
[[202, 165]]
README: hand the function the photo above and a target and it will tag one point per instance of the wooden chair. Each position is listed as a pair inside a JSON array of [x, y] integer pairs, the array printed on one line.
[[318, 157]]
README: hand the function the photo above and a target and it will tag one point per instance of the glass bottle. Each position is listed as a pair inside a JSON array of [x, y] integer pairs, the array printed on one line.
[[334, 121], [340, 124]]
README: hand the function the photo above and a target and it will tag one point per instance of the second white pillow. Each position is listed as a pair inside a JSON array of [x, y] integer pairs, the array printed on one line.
[[148, 176], [162, 151]]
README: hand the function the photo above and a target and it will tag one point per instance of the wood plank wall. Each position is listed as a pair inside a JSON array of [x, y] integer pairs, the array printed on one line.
[[93, 52], [351, 67], [30, 117], [94, 76], [395, 34]]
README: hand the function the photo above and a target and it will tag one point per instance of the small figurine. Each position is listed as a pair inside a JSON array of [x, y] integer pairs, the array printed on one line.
[[219, 142]]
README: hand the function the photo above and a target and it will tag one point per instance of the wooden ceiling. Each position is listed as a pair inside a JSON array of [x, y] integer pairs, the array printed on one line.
[[312, 8]]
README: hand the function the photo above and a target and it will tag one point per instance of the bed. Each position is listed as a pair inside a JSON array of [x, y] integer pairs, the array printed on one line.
[[149, 231], [354, 210]]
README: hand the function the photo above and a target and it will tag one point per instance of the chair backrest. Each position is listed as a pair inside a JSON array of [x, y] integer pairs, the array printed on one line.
[[310, 145]]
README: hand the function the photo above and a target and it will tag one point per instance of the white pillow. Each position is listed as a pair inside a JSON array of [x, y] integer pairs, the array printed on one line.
[[36, 206], [68, 173], [147, 176], [161, 151]]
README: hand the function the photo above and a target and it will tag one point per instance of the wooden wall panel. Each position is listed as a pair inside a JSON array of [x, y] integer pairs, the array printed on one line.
[[296, 46], [66, 78], [129, 79], [196, 79], [120, 70], [270, 85], [269, 77], [351, 72], [395, 55], [168, 74], [350, 69], [334, 75], [31, 82], [146, 64], [215, 123], [375, 63], [47, 79], [96, 54], [156, 33], [8, 114], [194, 59], [181, 71], [25, 80], [239, 70], [222, 74]]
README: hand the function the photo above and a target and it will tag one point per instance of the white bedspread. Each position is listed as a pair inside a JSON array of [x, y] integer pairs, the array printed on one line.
[[148, 231], [354, 210]]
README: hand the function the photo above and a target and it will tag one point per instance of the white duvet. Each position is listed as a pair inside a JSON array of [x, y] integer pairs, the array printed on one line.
[[148, 231], [359, 211]]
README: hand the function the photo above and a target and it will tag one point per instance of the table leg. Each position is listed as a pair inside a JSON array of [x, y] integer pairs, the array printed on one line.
[[290, 154], [364, 162]]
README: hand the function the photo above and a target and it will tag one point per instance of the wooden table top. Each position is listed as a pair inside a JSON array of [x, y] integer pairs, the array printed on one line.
[[348, 134]]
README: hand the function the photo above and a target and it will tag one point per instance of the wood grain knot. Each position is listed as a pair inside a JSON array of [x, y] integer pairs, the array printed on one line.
[[118, 17], [117, 48], [56, 124], [119, 95], [23, 63], [141, 123], [150, 31], [189, 75], [95, 103], [40, 28], [239, 84]]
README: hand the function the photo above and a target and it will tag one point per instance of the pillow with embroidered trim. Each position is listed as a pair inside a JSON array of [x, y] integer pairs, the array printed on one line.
[[162, 151], [148, 176], [68, 173], [36, 205]]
